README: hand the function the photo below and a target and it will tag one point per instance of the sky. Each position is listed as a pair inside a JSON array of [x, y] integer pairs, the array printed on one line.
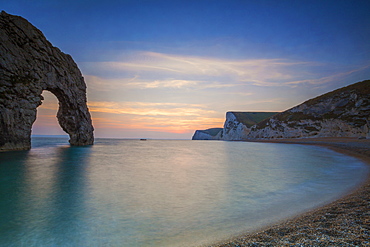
[[163, 69]]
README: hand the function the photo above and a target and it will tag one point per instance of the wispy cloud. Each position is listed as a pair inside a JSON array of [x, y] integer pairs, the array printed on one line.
[[330, 78], [150, 109], [159, 70], [175, 70], [107, 84], [170, 83]]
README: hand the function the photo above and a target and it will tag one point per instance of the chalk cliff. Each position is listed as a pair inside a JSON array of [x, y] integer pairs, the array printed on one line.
[[344, 112], [238, 125], [30, 64]]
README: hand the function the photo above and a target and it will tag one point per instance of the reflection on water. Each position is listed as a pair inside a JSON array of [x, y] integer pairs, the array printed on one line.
[[12, 180], [160, 193], [42, 196], [69, 198]]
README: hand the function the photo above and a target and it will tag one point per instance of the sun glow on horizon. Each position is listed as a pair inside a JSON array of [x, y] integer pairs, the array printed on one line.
[[123, 119]]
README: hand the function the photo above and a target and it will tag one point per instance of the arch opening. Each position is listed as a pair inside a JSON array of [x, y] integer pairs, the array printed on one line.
[[46, 123]]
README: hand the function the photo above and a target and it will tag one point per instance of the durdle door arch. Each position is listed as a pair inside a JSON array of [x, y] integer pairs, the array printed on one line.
[[29, 64]]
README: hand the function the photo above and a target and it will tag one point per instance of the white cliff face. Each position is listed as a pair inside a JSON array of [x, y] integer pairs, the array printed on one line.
[[233, 129]]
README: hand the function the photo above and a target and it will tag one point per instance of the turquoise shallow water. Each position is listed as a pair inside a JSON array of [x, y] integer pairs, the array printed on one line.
[[161, 192]]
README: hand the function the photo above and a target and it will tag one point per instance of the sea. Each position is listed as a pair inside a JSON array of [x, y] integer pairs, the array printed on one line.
[[122, 192]]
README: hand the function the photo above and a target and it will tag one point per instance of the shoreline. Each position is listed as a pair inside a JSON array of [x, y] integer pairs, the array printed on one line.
[[343, 222]]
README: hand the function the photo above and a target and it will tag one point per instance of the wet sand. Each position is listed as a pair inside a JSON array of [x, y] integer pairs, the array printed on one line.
[[344, 222]]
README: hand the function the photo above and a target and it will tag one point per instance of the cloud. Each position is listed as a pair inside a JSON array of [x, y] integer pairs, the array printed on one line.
[[151, 70], [170, 83], [107, 84], [327, 79], [149, 109], [171, 70]]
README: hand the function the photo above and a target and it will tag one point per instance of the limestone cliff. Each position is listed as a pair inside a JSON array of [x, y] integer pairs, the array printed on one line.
[[30, 64], [342, 113], [208, 134]]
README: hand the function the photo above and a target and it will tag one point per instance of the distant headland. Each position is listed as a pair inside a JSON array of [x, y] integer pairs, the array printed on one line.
[[344, 112]]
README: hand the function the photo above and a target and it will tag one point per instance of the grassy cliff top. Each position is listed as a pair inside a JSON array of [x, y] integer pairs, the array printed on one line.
[[212, 131], [251, 118]]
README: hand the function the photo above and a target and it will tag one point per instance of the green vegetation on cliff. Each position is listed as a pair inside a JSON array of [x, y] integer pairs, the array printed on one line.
[[251, 118], [212, 131], [323, 106]]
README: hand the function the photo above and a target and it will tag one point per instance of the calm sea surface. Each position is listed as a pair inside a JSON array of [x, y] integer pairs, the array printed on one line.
[[161, 192]]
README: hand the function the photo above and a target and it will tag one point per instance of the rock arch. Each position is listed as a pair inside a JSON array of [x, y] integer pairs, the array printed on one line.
[[30, 64]]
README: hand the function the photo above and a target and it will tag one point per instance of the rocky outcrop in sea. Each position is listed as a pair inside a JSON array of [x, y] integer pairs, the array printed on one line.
[[30, 64]]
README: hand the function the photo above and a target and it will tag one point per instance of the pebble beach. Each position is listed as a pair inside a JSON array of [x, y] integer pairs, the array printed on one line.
[[344, 222]]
